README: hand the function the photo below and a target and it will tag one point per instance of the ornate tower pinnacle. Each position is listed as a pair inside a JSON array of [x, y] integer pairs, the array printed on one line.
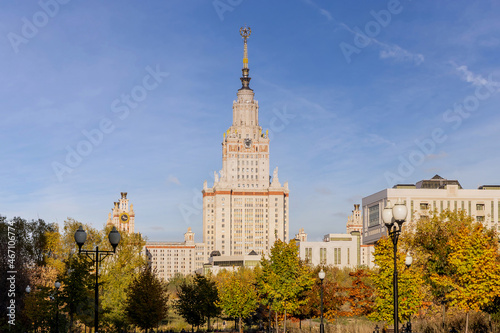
[[245, 79]]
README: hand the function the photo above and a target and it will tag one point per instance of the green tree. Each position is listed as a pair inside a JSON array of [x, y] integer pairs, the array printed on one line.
[[283, 278], [411, 288], [209, 296], [77, 286], [146, 300], [23, 248], [117, 271], [238, 296], [188, 303], [197, 300]]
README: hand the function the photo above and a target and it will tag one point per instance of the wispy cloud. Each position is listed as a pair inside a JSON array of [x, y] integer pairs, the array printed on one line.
[[389, 51], [376, 139], [399, 54], [470, 77], [174, 180], [322, 11]]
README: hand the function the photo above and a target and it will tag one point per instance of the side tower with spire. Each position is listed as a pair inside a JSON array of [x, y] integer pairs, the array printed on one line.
[[122, 215], [245, 209]]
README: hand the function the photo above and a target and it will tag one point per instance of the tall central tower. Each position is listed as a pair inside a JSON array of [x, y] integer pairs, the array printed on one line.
[[245, 210]]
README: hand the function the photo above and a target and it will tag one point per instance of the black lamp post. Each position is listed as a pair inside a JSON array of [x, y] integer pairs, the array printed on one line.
[[97, 256], [408, 262], [28, 290], [57, 285], [393, 218], [321, 276]]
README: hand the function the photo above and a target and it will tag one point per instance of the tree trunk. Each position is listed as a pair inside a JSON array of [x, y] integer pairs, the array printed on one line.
[[467, 322], [284, 324], [208, 325], [239, 325]]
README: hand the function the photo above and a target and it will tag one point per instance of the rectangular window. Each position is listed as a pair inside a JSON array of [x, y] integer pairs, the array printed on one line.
[[479, 206], [322, 256], [480, 218], [424, 205], [373, 215], [308, 254]]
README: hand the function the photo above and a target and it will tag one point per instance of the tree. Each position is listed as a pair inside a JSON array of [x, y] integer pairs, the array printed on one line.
[[77, 288], [360, 295], [117, 271], [430, 244], [188, 303], [238, 296], [474, 260], [197, 300], [209, 296], [283, 278], [411, 289], [146, 300], [23, 248]]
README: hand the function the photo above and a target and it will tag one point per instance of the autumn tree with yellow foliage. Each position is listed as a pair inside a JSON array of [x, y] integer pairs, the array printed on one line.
[[238, 297], [411, 285]]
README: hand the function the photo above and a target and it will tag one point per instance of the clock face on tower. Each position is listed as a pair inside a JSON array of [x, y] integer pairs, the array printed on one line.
[[124, 218], [248, 143]]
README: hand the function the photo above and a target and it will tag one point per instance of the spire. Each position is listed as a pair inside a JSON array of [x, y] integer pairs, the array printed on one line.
[[245, 79]]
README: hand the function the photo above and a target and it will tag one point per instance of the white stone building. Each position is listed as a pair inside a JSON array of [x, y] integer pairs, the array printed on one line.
[[244, 210], [426, 196], [171, 258], [338, 250]]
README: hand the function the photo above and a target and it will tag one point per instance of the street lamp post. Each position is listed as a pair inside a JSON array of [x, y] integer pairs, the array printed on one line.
[[28, 290], [57, 285], [96, 256], [408, 262], [393, 218], [321, 276]]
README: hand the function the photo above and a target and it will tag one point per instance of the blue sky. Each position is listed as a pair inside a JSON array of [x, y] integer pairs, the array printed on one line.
[[357, 96]]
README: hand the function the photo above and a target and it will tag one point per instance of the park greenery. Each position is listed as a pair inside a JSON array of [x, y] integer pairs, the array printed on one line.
[[453, 282]]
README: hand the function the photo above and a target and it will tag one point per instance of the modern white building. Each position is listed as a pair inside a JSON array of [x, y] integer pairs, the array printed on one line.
[[338, 250], [426, 196], [217, 263]]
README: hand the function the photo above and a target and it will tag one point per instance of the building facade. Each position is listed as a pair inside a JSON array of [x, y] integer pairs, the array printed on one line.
[[338, 250], [426, 196], [122, 215], [171, 258], [245, 210]]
